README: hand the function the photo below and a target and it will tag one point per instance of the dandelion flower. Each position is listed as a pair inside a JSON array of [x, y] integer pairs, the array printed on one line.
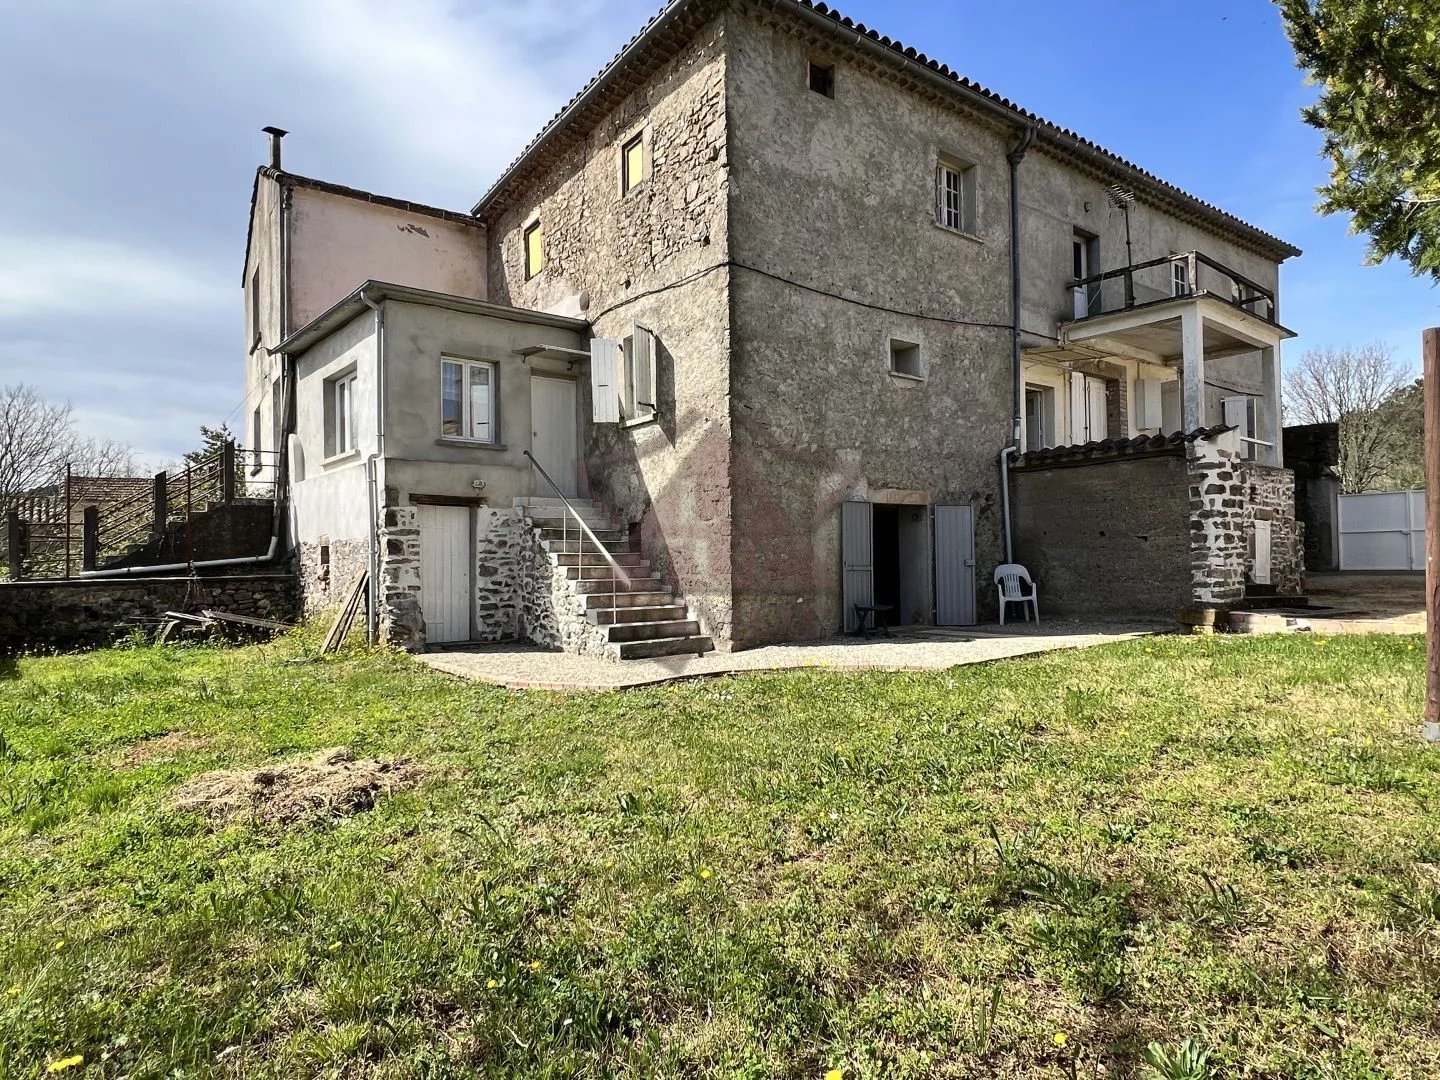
[[835, 1074], [491, 984], [59, 944], [14, 991], [705, 874], [534, 965], [65, 1063], [334, 945], [1060, 1038]]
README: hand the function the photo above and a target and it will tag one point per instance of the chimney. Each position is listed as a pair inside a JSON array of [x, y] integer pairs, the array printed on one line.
[[276, 134]]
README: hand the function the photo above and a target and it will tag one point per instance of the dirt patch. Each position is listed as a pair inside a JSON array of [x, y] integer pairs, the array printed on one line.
[[169, 745], [331, 784]]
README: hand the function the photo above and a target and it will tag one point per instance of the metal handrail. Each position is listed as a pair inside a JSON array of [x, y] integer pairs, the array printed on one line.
[[1193, 260], [585, 529]]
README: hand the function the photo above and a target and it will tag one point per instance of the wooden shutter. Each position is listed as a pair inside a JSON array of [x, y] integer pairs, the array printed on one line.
[[604, 395], [857, 531], [1078, 426], [643, 370]]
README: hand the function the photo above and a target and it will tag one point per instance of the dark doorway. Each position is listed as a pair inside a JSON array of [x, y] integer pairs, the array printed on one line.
[[887, 559]]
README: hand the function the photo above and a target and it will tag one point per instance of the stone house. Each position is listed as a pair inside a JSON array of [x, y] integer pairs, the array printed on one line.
[[789, 311]]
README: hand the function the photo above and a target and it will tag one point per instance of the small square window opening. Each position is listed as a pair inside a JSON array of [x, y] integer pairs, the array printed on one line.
[[905, 358], [534, 250], [822, 78]]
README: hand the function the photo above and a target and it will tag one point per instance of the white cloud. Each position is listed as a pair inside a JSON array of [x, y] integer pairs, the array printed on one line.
[[45, 276]]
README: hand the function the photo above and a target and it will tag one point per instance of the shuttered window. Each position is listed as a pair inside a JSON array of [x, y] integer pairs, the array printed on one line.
[[534, 250]]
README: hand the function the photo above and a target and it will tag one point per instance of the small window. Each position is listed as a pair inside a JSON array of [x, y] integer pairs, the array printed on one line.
[[534, 250], [955, 195], [637, 397], [822, 78], [467, 400], [1039, 416], [1179, 278], [254, 310], [632, 164], [340, 413], [905, 358]]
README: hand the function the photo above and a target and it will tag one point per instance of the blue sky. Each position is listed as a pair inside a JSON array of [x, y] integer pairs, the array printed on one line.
[[131, 133]]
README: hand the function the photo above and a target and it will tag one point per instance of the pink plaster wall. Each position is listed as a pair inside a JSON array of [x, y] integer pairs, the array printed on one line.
[[339, 242]]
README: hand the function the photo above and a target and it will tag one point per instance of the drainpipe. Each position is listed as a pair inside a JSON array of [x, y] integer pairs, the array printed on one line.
[[1014, 157], [371, 470]]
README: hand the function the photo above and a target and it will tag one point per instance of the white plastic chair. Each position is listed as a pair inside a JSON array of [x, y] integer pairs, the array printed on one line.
[[1011, 582]]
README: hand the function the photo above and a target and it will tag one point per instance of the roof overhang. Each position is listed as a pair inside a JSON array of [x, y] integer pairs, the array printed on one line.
[[847, 33], [354, 303], [1152, 331]]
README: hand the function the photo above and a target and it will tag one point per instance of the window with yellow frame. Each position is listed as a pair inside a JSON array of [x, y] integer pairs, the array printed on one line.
[[534, 250], [633, 164]]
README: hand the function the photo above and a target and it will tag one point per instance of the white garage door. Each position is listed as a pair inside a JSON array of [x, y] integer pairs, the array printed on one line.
[[1382, 530], [445, 557]]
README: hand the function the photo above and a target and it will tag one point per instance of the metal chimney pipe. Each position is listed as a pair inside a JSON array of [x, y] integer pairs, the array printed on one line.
[[276, 134]]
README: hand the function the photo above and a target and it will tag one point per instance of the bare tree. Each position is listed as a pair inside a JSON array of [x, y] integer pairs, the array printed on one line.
[[38, 438], [1348, 387]]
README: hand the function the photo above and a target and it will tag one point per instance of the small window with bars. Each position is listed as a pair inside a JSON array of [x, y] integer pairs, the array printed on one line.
[[955, 195]]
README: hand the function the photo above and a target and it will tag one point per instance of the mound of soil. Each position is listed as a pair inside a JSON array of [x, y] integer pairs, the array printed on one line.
[[331, 784]]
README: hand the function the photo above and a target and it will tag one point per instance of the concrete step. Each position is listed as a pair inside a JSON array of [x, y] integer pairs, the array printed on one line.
[[556, 517], [606, 536], [573, 546], [604, 572], [653, 647], [636, 599], [594, 558], [636, 584], [659, 613], [544, 500], [652, 631]]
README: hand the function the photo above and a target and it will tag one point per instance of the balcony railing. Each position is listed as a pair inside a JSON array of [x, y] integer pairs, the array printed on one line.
[[1190, 273]]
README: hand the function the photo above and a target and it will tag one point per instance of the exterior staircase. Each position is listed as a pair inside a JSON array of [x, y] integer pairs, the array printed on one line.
[[634, 620]]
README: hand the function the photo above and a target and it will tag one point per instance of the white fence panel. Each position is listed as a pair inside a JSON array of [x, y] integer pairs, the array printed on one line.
[[1382, 530]]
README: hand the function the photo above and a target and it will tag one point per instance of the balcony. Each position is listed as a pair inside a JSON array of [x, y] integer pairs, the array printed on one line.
[[1182, 311]]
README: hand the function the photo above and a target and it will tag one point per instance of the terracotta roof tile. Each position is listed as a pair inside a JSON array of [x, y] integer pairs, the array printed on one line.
[[1107, 448]]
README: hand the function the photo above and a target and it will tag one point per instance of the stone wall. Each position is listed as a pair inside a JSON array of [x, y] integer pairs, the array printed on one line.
[[1219, 529], [1271, 496], [327, 569], [657, 255], [1106, 538], [1227, 495], [84, 613], [553, 614], [401, 623], [499, 573]]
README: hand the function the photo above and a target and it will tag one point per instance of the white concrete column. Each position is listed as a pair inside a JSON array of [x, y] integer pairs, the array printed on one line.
[[1192, 369], [1268, 412]]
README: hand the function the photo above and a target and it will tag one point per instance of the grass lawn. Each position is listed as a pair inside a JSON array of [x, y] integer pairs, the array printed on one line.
[[1232, 842]]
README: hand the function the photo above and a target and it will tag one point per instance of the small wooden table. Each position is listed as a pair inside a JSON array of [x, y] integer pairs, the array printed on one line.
[[870, 620]]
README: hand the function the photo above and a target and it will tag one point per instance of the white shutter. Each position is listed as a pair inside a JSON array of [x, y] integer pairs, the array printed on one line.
[[643, 366], [604, 394], [1148, 412], [1077, 408], [1170, 406]]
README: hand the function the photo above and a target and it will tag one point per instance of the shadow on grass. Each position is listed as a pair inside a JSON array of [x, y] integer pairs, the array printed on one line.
[[9, 667]]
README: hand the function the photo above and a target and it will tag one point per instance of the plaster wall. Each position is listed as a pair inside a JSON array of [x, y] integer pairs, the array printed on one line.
[[419, 459], [818, 416], [330, 503], [261, 319], [657, 256], [338, 242]]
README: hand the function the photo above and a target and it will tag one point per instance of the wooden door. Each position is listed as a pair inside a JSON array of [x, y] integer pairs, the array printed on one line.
[[554, 439], [955, 565], [445, 557]]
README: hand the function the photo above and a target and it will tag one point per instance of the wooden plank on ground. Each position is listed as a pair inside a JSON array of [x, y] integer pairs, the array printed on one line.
[[340, 628], [244, 620]]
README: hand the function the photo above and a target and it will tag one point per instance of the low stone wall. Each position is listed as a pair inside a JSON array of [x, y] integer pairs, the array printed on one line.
[[77, 613], [500, 537], [553, 614], [327, 569]]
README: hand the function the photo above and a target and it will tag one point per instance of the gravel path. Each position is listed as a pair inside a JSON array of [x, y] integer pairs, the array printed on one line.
[[528, 667]]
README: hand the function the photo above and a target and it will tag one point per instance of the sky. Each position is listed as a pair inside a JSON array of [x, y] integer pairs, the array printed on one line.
[[131, 131]]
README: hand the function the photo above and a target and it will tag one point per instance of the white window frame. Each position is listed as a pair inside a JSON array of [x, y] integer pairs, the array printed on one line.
[[344, 427], [955, 207], [639, 375], [629, 183], [1047, 413], [467, 400], [1180, 283]]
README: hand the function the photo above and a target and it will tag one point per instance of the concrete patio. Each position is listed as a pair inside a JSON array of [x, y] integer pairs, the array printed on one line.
[[527, 667]]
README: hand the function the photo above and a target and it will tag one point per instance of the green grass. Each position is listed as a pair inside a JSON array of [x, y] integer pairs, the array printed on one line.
[[1231, 842]]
